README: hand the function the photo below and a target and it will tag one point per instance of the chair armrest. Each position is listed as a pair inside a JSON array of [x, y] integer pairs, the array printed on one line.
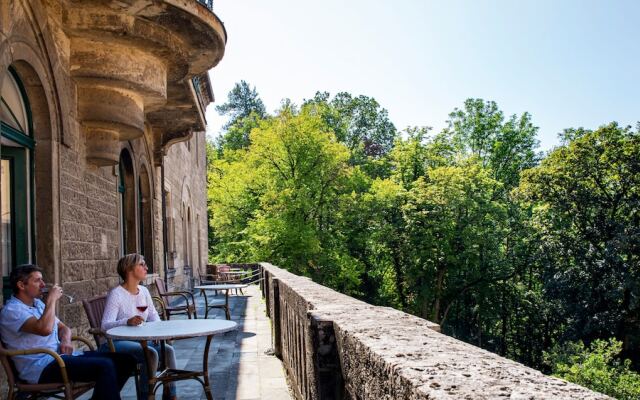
[[97, 331], [83, 340], [186, 295], [38, 350], [103, 333]]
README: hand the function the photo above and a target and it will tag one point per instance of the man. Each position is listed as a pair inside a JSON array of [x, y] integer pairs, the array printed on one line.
[[27, 322]]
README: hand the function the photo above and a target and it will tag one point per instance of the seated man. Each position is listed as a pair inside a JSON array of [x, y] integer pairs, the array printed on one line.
[[26, 322]]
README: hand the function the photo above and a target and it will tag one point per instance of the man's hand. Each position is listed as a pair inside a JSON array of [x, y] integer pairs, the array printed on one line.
[[66, 348], [135, 320], [64, 334], [55, 292]]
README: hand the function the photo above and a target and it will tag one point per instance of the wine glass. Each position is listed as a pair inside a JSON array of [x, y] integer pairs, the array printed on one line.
[[47, 288], [141, 305]]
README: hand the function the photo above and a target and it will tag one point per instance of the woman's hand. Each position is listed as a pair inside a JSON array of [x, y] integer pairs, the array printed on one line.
[[135, 320]]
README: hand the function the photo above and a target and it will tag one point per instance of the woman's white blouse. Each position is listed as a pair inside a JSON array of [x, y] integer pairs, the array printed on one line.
[[121, 305]]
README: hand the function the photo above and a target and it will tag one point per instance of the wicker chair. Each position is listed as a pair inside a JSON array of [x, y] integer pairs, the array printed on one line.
[[61, 390], [188, 307]]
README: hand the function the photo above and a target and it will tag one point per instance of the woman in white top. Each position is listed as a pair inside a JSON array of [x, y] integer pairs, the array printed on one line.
[[123, 308]]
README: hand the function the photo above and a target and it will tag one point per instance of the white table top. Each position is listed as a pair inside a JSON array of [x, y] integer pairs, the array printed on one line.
[[225, 286], [172, 329]]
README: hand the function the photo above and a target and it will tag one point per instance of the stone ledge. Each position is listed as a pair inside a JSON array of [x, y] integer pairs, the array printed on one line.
[[387, 354]]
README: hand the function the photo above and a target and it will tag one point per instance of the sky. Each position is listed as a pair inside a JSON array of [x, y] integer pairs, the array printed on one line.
[[568, 63]]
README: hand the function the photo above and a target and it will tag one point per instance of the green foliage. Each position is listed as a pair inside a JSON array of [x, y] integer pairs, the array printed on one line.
[[244, 108], [360, 123], [507, 148], [585, 198], [455, 229], [597, 367], [462, 227]]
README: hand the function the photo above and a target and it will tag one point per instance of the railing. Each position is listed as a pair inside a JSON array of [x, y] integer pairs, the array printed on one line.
[[207, 3], [336, 347], [203, 91]]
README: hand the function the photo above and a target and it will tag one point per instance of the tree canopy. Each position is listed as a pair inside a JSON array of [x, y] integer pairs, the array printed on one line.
[[470, 227]]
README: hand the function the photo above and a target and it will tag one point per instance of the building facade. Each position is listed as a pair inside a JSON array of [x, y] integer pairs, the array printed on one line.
[[103, 146]]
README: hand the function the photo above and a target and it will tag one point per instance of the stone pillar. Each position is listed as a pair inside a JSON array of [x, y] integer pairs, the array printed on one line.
[[326, 359]]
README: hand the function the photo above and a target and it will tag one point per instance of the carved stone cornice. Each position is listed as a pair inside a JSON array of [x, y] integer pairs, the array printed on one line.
[[134, 61]]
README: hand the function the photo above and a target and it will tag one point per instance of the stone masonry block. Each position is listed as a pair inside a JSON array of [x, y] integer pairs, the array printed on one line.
[[73, 231], [76, 250], [73, 212], [73, 197], [78, 270]]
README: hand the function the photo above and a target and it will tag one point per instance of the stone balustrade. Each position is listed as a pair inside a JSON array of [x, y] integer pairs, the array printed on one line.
[[336, 347]]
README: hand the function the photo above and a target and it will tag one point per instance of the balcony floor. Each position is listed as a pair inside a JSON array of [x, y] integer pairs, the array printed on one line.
[[239, 369]]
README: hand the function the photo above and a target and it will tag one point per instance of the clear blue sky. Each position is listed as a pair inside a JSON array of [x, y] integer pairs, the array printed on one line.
[[568, 63]]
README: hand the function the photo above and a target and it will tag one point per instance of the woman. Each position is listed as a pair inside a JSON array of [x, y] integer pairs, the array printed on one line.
[[123, 308]]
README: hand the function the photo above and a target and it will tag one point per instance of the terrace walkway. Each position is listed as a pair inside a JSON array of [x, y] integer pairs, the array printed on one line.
[[238, 366]]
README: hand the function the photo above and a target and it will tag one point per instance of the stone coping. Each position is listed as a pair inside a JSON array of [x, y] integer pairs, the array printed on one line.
[[388, 354]]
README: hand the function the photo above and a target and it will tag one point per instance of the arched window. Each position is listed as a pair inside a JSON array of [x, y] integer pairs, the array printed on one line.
[[127, 191], [146, 217], [16, 176]]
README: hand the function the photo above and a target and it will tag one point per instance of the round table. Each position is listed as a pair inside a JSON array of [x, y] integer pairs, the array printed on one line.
[[226, 287], [174, 329]]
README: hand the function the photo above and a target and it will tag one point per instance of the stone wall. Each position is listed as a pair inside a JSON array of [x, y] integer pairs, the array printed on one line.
[[186, 186], [103, 79], [336, 347]]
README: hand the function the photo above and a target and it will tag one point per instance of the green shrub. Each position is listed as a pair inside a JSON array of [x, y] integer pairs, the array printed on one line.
[[597, 367]]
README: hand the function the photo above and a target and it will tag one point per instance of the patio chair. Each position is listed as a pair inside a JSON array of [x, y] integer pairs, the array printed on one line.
[[226, 276], [208, 278], [94, 308], [188, 307], [159, 305], [20, 389]]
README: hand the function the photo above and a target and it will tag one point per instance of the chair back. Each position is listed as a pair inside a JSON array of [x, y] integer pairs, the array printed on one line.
[[160, 286], [7, 364], [94, 307], [158, 303]]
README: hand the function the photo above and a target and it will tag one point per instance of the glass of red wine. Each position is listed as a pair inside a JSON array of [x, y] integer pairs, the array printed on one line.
[[141, 305]]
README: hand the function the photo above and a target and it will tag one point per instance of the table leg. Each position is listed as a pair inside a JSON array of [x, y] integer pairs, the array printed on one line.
[[151, 379], [205, 369], [206, 303], [226, 304], [162, 363]]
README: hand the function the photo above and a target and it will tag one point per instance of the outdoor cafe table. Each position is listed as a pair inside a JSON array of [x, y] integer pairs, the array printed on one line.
[[174, 329], [226, 287]]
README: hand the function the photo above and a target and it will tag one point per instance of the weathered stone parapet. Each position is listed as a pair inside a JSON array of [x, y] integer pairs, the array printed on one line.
[[336, 347]]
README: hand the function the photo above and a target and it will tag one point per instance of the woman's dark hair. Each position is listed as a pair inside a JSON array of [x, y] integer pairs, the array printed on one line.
[[21, 273]]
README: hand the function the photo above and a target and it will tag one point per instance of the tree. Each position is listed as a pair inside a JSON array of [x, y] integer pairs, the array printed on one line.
[[413, 156], [244, 108], [586, 205], [358, 122], [455, 228], [506, 147]]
